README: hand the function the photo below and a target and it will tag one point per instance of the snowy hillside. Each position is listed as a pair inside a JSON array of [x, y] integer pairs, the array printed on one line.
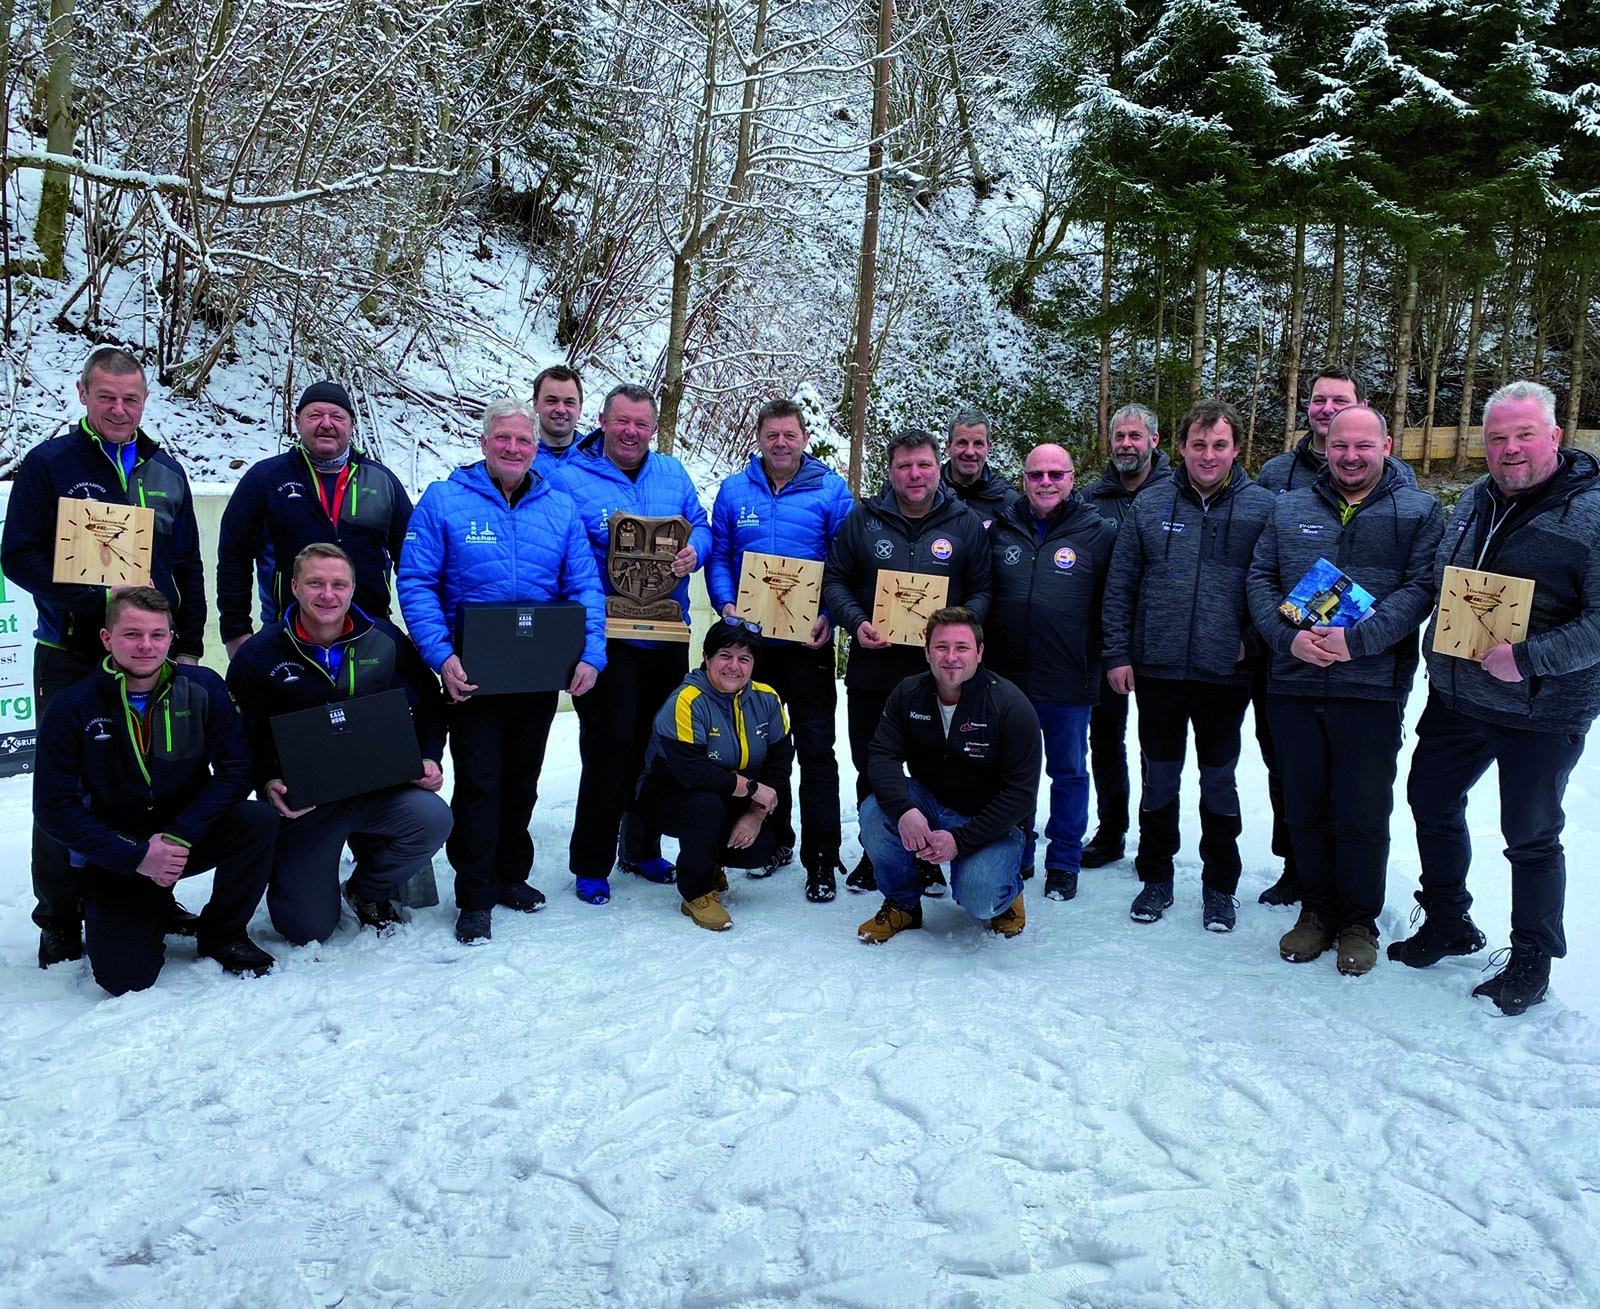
[[609, 1107]]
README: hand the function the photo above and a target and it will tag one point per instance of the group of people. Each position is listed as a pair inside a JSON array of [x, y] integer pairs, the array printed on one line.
[[1162, 581]]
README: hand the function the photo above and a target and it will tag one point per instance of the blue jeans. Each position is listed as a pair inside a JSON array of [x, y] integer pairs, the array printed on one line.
[[1066, 747], [984, 883]]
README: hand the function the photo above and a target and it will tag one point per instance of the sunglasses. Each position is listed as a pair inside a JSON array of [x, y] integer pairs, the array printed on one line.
[[1048, 474], [745, 623]]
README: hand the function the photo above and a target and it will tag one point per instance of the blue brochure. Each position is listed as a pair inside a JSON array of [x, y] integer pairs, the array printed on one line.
[[1326, 597]]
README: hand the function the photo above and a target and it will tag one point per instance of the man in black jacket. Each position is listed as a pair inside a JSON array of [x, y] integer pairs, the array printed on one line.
[[324, 650], [971, 742], [1339, 678], [913, 527], [1175, 616], [966, 473], [1051, 552], [143, 775], [107, 457], [1525, 707], [320, 489], [1135, 464]]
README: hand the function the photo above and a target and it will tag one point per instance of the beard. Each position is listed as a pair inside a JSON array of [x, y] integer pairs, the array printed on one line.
[[1131, 463]]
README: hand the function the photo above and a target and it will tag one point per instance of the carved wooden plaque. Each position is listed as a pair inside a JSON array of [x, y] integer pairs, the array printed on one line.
[[102, 544], [1477, 611], [904, 602], [782, 595], [639, 565]]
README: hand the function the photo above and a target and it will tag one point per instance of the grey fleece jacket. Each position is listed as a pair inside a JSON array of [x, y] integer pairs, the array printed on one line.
[[1552, 535], [1175, 602], [1387, 547]]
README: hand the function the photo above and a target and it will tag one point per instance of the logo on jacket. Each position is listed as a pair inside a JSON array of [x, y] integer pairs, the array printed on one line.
[[100, 729], [873, 525], [291, 491], [285, 672], [921, 718], [1013, 555], [87, 491], [883, 549], [1066, 557], [480, 535], [941, 549], [747, 517], [1168, 525], [1309, 529]]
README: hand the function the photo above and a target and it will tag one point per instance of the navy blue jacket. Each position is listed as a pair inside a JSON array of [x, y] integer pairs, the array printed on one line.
[[1113, 499], [799, 521], [276, 511], [987, 497], [1043, 631], [1387, 548], [97, 794], [275, 672], [76, 465], [948, 541]]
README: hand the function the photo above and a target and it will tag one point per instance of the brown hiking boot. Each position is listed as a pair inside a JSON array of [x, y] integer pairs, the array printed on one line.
[[888, 921], [1358, 951], [707, 912], [1011, 922], [1306, 940], [719, 880]]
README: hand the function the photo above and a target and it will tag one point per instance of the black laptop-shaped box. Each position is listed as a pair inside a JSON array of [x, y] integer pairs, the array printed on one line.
[[347, 747], [509, 648]]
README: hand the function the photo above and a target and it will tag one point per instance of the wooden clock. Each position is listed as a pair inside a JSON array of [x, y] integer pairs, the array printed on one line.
[[1477, 611], [103, 544], [780, 594], [904, 602]]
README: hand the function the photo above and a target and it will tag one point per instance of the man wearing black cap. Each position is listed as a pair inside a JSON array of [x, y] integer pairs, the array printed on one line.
[[319, 490]]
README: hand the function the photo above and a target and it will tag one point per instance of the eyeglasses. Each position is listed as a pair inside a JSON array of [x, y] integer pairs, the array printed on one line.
[[733, 621], [1048, 474]]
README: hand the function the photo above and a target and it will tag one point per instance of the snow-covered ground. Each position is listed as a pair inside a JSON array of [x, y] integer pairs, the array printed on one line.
[[610, 1107]]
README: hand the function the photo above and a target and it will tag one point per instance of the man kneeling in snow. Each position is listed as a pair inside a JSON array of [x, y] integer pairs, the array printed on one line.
[[971, 741], [142, 774]]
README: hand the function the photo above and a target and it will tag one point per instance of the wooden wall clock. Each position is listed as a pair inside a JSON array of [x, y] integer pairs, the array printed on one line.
[[103, 544], [780, 594], [904, 602], [1477, 611]]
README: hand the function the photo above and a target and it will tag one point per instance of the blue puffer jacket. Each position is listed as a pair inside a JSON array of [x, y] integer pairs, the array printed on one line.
[[662, 490], [799, 521], [464, 543]]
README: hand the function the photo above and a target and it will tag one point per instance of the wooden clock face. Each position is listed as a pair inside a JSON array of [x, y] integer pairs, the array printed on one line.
[[103, 544]]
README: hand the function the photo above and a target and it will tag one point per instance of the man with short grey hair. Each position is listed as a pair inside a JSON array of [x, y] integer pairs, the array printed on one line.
[[1135, 463], [966, 474], [1524, 707]]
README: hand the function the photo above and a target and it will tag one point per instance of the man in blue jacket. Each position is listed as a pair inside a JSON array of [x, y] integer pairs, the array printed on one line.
[[324, 650], [105, 456], [1337, 692], [616, 471], [143, 774], [496, 532], [1525, 707], [558, 403], [321, 489], [784, 502], [1051, 552], [1176, 617]]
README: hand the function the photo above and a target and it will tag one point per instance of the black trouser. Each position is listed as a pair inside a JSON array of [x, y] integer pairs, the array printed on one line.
[[125, 917], [805, 681], [1108, 759], [614, 720], [863, 708], [701, 820], [497, 747], [1453, 752], [1166, 708], [1282, 842], [57, 885], [1338, 790]]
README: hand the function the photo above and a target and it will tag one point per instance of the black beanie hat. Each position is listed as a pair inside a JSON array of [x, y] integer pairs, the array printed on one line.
[[328, 393]]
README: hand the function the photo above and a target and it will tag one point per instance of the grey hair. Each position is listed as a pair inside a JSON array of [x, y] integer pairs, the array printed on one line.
[[505, 408], [1524, 391], [971, 418], [1145, 415]]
